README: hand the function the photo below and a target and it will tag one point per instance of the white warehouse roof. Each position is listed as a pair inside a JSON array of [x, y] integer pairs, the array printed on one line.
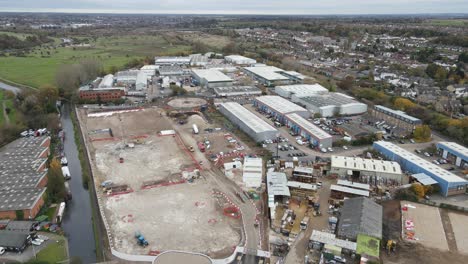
[[250, 119], [107, 81], [345, 189], [277, 184], [440, 172], [361, 164], [269, 73], [330, 239], [455, 147], [279, 104], [238, 59], [300, 90], [211, 75], [308, 126], [356, 185]]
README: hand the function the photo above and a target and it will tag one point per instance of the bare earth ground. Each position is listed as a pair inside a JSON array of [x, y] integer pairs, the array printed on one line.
[[176, 217], [460, 230]]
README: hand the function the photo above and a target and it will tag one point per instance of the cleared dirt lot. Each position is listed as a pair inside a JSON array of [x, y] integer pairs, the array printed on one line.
[[176, 217], [460, 230], [428, 228]]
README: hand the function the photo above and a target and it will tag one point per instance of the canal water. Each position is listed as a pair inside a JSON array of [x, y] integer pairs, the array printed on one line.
[[77, 221]]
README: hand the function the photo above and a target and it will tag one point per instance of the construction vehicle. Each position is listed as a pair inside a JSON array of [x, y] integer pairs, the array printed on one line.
[[141, 239], [191, 149], [391, 246]]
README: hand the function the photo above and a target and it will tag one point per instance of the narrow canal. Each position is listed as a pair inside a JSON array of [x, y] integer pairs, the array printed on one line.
[[77, 222]]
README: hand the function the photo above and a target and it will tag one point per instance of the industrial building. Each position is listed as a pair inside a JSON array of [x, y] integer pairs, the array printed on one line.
[[396, 118], [331, 104], [360, 216], [303, 174], [315, 135], [149, 69], [295, 77], [252, 172], [267, 75], [104, 94], [239, 60], [302, 190], [453, 152], [198, 60], [211, 78], [279, 107], [320, 240], [14, 241], [341, 192], [449, 183], [127, 77], [172, 71], [295, 91], [23, 176], [375, 172], [182, 61], [141, 82], [237, 91], [248, 122], [277, 189], [107, 81]]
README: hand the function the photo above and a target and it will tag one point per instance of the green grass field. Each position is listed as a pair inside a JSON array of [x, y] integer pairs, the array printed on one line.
[[449, 22], [53, 253], [34, 70], [21, 36]]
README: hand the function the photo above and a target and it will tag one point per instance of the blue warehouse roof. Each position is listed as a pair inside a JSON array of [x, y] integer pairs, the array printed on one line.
[[454, 148]]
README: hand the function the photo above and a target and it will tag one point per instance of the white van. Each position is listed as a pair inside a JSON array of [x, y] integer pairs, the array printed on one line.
[[2, 250]]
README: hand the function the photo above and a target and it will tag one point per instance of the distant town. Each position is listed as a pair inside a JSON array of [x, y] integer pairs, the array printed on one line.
[[233, 139]]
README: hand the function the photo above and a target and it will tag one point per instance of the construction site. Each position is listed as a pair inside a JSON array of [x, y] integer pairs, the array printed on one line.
[[154, 185]]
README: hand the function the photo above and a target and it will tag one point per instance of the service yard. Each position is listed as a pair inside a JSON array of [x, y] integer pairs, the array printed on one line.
[[148, 193], [423, 224]]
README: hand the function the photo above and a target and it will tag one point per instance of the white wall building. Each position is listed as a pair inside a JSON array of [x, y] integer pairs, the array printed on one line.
[[279, 107], [252, 173], [300, 90], [268, 75], [239, 60], [141, 82], [172, 61], [211, 78], [329, 104], [149, 69], [248, 122], [107, 81], [375, 172]]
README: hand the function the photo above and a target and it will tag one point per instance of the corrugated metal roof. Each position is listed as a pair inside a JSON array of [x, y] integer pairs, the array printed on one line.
[[279, 104], [361, 164], [344, 189], [308, 126], [398, 113], [330, 239], [212, 75], [403, 153], [455, 148], [424, 179], [269, 73], [250, 119]]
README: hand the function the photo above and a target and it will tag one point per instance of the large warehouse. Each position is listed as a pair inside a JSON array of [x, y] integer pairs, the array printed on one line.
[[268, 75], [239, 60], [300, 90], [211, 78], [330, 104], [279, 107], [450, 184], [248, 122], [172, 61], [374, 172], [454, 152], [252, 172], [304, 128], [237, 91]]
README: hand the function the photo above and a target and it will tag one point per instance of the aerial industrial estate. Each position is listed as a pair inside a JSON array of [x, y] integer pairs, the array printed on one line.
[[232, 156]]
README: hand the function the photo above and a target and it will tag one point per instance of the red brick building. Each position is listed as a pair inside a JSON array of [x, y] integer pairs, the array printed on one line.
[[23, 176], [105, 94]]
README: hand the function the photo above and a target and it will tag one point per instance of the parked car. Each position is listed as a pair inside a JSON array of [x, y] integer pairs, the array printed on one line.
[[36, 242], [426, 154], [345, 147], [330, 149], [436, 162], [412, 141], [324, 150], [418, 151], [42, 237], [2, 250]]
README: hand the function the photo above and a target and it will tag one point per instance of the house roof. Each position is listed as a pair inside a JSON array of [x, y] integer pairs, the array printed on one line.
[[360, 215]]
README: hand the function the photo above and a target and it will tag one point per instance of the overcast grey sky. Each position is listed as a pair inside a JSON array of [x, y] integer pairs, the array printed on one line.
[[240, 6]]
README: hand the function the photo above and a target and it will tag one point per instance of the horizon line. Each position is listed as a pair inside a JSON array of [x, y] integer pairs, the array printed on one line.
[[172, 12]]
